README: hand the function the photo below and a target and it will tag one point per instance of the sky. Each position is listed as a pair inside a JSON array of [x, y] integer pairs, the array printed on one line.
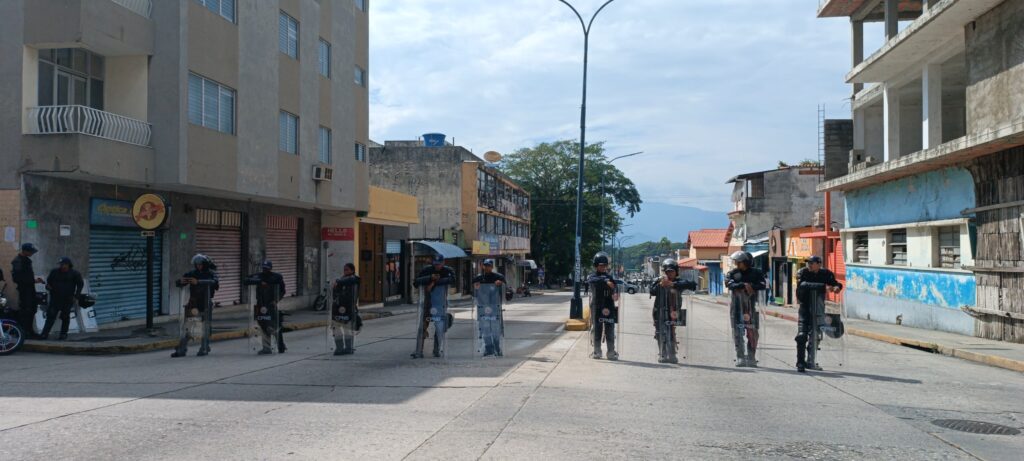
[[707, 89]]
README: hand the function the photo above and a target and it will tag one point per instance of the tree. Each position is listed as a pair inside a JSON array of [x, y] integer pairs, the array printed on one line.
[[548, 171]]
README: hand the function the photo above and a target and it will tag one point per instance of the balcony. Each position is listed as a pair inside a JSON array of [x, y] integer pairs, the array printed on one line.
[[107, 27], [88, 121]]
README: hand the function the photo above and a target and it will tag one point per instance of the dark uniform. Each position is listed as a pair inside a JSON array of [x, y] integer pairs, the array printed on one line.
[[201, 299], [488, 326], [445, 277], [604, 312], [804, 294], [64, 287], [665, 304], [24, 279], [736, 281], [346, 312], [270, 288]]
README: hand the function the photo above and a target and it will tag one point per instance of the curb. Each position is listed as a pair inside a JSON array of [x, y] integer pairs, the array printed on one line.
[[172, 343]]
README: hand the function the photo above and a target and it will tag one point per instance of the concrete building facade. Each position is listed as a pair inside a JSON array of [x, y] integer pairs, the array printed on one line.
[[243, 115], [934, 190]]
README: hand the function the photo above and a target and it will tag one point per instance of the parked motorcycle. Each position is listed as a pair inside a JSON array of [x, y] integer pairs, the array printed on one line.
[[11, 335]]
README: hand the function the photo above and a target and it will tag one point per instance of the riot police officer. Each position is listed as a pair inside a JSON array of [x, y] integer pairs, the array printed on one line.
[[492, 345], [604, 312], [745, 281], [345, 309], [202, 281], [436, 276], [65, 284], [659, 289], [813, 273], [268, 297]]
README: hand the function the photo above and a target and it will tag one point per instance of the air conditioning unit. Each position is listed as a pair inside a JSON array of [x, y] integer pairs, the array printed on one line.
[[322, 173]]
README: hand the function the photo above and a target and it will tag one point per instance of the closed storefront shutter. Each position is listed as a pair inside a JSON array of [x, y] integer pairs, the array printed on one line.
[[838, 265], [117, 273], [219, 236], [283, 249]]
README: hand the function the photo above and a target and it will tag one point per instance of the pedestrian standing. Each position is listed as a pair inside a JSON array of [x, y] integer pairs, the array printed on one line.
[[25, 280], [65, 285]]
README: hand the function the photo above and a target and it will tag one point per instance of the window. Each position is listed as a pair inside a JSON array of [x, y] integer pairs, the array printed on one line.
[[289, 141], [860, 247], [898, 247], [361, 5], [70, 76], [324, 59], [360, 152], [325, 145], [756, 187], [211, 104], [288, 35], [360, 76], [224, 8], [949, 247]]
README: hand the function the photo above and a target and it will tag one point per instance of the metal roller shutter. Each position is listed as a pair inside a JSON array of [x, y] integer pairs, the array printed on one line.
[[117, 273], [219, 236], [283, 249]]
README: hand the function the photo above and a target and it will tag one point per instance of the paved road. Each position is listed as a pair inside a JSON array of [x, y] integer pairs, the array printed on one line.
[[545, 400]]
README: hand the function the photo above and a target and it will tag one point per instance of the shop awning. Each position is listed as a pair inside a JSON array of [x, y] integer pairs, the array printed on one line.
[[447, 250], [529, 264]]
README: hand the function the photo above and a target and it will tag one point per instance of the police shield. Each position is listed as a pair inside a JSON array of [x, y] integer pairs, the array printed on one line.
[[604, 315], [343, 321], [827, 340], [194, 317], [264, 319], [745, 320], [489, 321], [433, 320], [671, 321]]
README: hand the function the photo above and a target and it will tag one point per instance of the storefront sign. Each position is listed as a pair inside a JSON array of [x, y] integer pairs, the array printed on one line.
[[481, 248], [797, 247], [149, 211], [106, 212], [64, 230], [337, 233]]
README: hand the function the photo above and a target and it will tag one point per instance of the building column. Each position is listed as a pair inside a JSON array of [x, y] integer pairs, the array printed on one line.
[[859, 130], [891, 115], [931, 106], [892, 19], [858, 49]]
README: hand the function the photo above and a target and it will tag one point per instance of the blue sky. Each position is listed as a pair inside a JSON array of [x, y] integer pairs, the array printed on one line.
[[707, 88]]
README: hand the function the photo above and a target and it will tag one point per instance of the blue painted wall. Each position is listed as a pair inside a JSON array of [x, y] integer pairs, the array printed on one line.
[[940, 289], [930, 196]]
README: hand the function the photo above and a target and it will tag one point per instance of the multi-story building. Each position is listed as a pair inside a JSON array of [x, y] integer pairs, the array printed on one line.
[[249, 117], [934, 192], [463, 201]]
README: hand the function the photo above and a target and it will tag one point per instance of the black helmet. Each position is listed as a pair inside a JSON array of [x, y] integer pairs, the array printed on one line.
[[200, 258], [814, 260], [64, 260], [29, 248], [741, 257], [86, 300], [600, 258], [669, 264], [267, 264]]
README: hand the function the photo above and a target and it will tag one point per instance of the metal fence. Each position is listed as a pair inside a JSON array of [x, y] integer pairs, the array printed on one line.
[[86, 120]]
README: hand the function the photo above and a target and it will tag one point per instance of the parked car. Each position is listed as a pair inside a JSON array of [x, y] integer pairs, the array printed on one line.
[[628, 287]]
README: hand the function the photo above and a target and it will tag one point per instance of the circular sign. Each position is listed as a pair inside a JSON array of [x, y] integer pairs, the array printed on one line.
[[492, 156], [149, 211]]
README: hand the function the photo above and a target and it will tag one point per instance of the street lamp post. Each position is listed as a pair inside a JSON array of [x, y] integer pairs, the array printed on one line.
[[603, 240], [576, 305]]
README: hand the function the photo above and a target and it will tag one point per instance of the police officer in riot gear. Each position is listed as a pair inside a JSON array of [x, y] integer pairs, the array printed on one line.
[[267, 297], [604, 312], [435, 276], [744, 281], [813, 273], [670, 280], [487, 275], [202, 281], [345, 291], [64, 284]]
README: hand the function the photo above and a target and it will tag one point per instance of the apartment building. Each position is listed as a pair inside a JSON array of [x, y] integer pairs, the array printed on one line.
[[934, 189], [249, 117]]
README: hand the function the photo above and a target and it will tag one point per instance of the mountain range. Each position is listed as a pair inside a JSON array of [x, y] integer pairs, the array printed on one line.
[[657, 220]]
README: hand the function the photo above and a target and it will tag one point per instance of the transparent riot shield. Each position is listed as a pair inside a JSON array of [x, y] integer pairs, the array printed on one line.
[[827, 340], [488, 320], [194, 318], [264, 320], [604, 315], [745, 323], [670, 324], [433, 320], [343, 321]]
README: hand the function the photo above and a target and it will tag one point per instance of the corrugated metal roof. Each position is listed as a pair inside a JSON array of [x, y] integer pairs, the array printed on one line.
[[709, 238]]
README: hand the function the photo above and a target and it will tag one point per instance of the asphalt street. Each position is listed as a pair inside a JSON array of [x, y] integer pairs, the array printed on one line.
[[546, 399]]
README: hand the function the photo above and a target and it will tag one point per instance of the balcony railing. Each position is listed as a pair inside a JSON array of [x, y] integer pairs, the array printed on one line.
[[141, 7], [88, 121]]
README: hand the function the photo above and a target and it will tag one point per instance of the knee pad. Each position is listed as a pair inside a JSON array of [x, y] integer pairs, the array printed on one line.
[[801, 337]]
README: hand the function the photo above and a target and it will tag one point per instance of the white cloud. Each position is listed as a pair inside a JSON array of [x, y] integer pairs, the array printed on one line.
[[707, 88]]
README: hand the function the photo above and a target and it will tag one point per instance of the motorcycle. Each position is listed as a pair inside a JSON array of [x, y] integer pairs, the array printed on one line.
[[11, 335]]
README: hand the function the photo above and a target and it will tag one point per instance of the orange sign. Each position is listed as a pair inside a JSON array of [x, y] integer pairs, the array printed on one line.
[[149, 211]]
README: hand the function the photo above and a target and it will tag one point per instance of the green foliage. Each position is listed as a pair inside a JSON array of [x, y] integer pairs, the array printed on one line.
[[633, 257], [548, 172]]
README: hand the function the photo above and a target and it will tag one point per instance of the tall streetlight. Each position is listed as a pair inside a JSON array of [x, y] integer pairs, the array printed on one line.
[[576, 305], [603, 239]]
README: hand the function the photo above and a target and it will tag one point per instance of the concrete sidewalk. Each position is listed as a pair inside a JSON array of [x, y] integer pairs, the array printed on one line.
[[985, 351]]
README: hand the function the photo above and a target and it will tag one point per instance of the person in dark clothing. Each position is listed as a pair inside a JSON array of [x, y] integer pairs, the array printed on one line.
[[812, 280], [270, 289], [25, 280], [202, 282], [744, 282], [435, 279], [668, 308], [345, 319], [603, 312], [489, 321], [65, 285]]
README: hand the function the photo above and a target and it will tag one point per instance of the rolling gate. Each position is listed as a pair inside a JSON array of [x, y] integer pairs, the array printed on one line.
[[283, 249], [219, 236], [117, 272]]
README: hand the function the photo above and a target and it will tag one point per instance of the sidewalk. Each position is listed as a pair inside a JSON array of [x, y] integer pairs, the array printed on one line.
[[232, 323], [985, 351]]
